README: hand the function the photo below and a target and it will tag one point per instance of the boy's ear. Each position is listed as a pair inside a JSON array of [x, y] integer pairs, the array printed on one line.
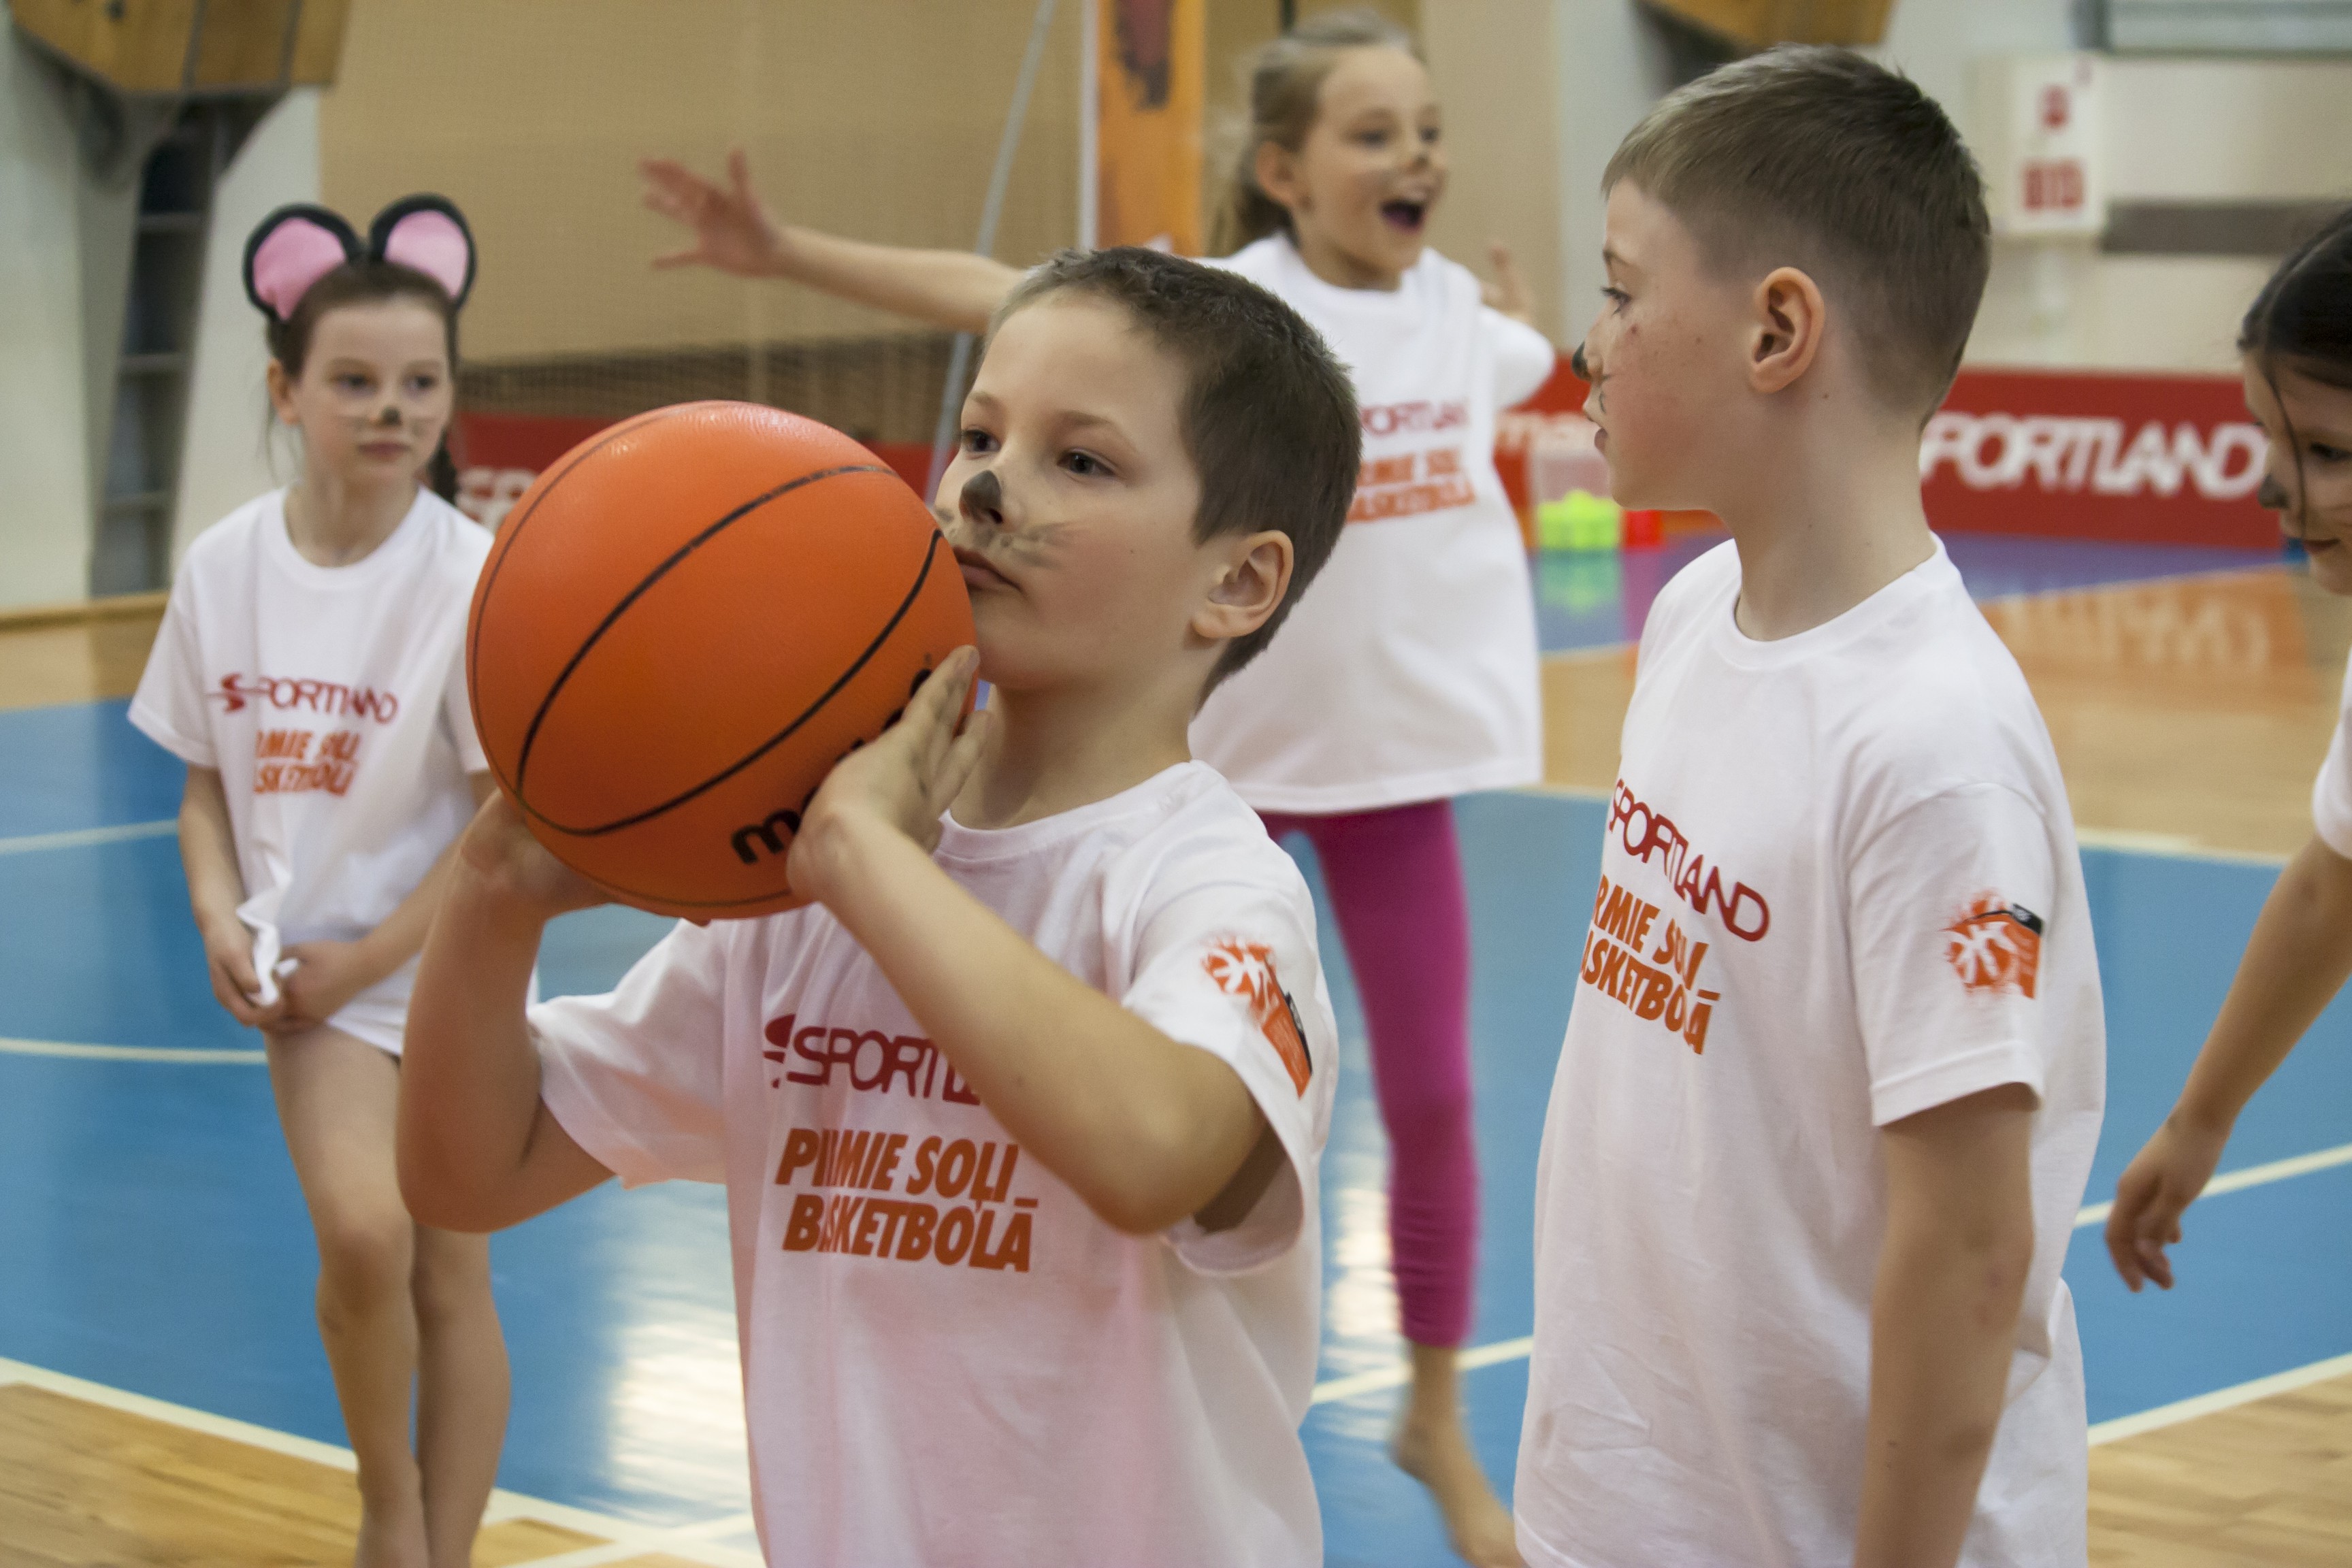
[[1248, 588], [1786, 336]]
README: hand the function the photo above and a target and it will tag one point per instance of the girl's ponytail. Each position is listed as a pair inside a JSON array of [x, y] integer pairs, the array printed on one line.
[[1282, 80]]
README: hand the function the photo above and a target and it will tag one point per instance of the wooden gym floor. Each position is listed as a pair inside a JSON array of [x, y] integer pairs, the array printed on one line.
[[2190, 697]]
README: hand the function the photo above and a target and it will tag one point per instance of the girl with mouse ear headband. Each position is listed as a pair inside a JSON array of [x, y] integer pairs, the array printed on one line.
[[303, 260], [310, 672]]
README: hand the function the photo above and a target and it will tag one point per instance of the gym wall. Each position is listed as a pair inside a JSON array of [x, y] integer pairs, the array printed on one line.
[[878, 120], [44, 517]]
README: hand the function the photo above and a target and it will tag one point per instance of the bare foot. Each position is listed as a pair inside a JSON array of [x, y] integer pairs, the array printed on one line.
[[1436, 1453], [391, 1538]]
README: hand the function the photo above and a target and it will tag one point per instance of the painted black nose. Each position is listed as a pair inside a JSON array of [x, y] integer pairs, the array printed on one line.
[[1575, 363], [982, 500]]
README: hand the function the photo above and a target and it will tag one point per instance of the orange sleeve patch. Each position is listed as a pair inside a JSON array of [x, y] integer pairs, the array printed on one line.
[[1995, 946], [1245, 970]]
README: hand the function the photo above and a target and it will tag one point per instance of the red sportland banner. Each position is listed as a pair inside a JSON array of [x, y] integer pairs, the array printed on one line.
[[2166, 460]]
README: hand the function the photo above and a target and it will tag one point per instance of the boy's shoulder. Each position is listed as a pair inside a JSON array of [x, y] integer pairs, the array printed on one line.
[[1911, 690], [1936, 703], [1182, 826], [1181, 835], [1681, 606]]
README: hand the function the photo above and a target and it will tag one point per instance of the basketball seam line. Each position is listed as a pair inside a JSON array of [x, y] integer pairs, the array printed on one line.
[[509, 535], [930, 555], [530, 735]]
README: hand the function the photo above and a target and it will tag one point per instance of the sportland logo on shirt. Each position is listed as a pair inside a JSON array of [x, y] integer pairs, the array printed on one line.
[[1245, 970], [1647, 834], [1995, 945], [289, 693], [867, 1060]]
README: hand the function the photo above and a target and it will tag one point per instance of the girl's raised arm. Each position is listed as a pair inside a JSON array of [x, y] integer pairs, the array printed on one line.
[[733, 233]]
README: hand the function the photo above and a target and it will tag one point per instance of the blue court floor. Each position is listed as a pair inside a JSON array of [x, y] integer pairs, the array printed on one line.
[[151, 1238]]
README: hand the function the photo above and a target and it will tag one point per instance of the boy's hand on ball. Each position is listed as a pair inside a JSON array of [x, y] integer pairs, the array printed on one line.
[[499, 849], [900, 783]]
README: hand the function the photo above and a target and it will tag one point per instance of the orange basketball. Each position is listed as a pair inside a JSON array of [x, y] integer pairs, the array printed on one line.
[[684, 623]]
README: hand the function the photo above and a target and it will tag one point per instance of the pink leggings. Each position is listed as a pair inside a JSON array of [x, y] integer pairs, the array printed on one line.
[[1395, 881]]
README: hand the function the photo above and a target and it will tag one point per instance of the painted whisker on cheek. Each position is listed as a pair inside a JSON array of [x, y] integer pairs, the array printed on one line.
[[1034, 541]]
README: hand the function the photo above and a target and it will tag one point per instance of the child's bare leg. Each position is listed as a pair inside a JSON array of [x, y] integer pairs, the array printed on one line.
[[336, 1098], [461, 1389], [1432, 1445]]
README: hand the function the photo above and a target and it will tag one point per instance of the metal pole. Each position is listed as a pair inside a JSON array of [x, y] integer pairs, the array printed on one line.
[[1089, 124], [951, 396]]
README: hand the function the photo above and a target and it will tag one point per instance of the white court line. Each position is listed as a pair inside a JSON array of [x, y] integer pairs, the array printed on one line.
[[628, 1537], [2237, 1180], [1401, 1374], [2173, 1415], [132, 1053], [83, 838]]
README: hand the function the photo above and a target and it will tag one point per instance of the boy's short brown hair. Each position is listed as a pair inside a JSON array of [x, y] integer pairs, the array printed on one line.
[[1817, 158], [1268, 415]]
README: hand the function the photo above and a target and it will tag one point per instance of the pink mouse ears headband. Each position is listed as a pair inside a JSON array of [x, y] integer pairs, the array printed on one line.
[[296, 245]]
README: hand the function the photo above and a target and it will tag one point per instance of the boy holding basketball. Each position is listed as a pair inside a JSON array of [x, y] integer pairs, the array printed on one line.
[[1020, 1118], [1833, 1073]]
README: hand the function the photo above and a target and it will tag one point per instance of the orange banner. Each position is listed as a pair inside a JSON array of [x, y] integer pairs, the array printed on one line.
[[1150, 58]]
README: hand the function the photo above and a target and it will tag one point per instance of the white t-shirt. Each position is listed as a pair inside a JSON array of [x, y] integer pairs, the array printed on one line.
[[2331, 791], [1407, 671], [947, 1356], [1839, 886], [333, 699]]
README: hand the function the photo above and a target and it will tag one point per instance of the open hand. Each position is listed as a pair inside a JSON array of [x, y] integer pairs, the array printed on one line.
[[2163, 1179], [498, 850], [1509, 292], [900, 783], [732, 232]]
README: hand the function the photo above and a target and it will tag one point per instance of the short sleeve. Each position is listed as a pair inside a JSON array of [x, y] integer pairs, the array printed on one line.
[[634, 1075], [457, 713], [2331, 792], [169, 706], [1523, 357], [1949, 906], [1230, 968]]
